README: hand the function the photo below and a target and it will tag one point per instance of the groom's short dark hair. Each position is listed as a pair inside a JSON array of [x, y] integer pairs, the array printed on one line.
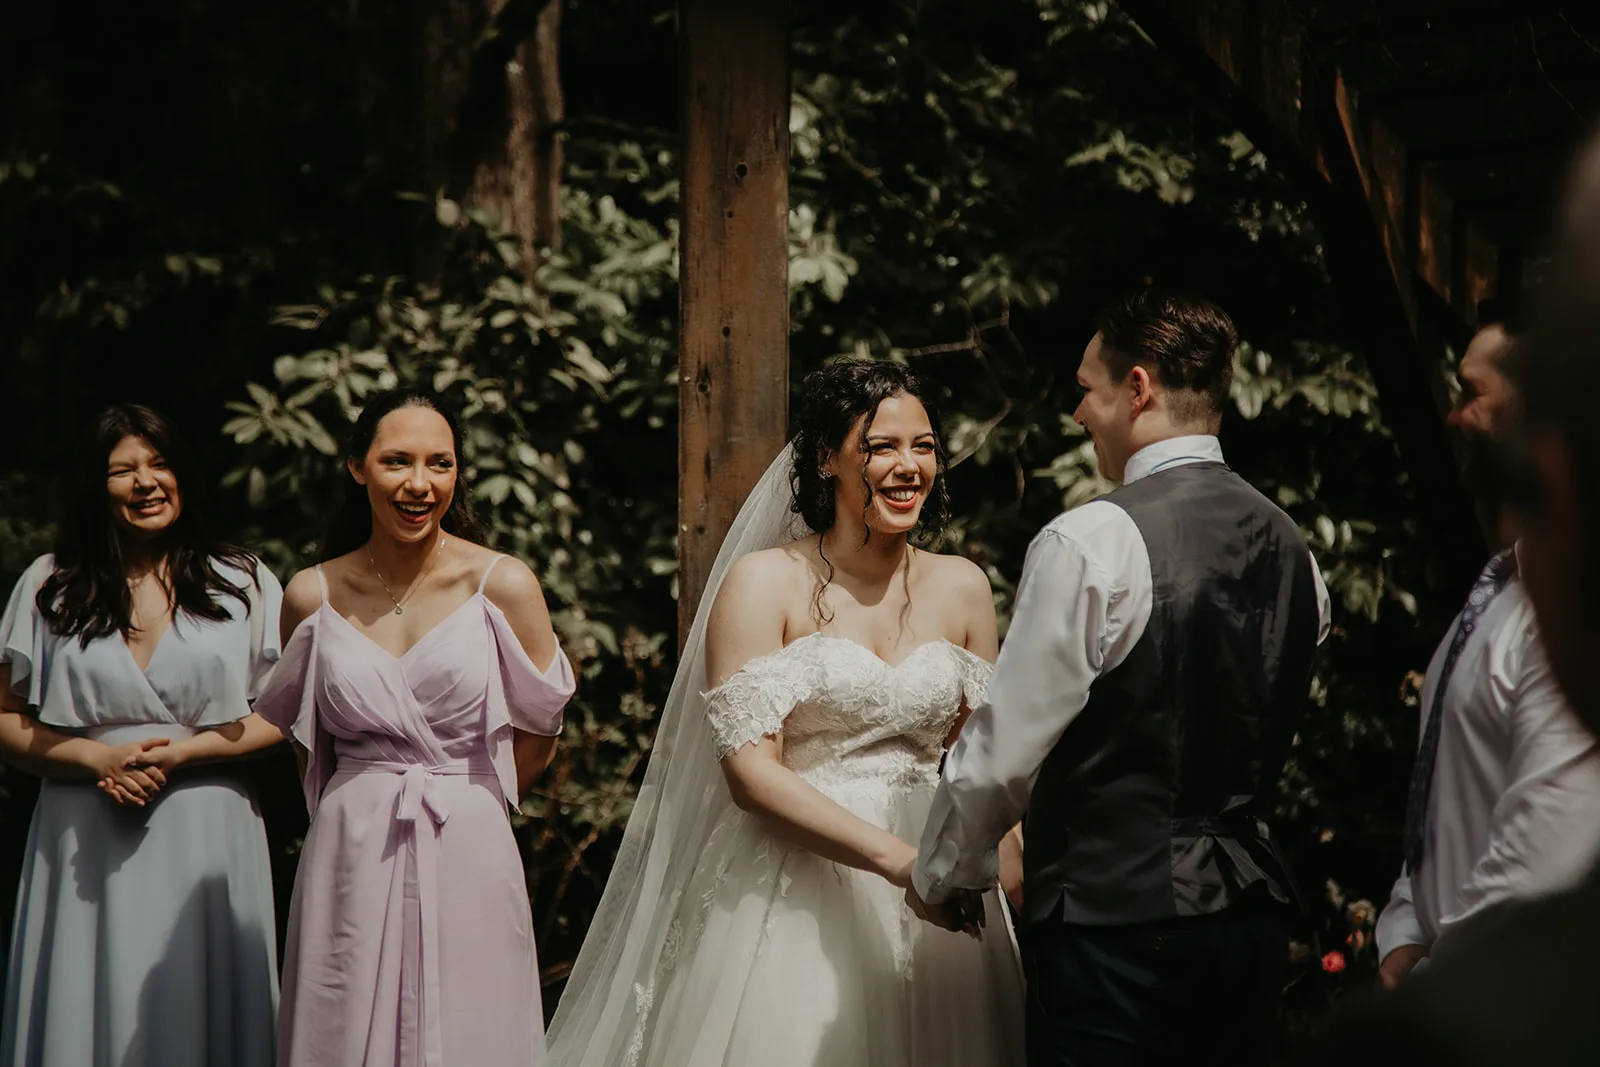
[[1187, 343]]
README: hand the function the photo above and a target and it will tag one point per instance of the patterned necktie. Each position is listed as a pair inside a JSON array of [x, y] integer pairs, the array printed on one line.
[[1489, 583]]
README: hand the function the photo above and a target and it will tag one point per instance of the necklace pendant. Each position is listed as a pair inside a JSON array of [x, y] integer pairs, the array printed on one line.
[[398, 610]]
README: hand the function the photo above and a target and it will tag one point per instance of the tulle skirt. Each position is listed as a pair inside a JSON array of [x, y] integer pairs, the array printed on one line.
[[781, 958]]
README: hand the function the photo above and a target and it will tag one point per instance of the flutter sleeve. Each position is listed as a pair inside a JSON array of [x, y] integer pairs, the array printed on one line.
[[288, 700], [266, 605], [24, 638], [521, 697], [754, 702]]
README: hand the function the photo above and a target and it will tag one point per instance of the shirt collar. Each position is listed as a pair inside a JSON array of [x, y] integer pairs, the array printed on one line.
[[1172, 452]]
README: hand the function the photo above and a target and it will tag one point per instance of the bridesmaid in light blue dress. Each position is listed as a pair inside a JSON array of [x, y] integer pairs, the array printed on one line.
[[144, 930]]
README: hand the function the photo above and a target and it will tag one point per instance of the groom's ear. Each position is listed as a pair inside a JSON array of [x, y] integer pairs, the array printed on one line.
[[1140, 389]]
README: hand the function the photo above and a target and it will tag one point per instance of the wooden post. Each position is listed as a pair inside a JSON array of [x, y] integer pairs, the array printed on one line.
[[733, 382]]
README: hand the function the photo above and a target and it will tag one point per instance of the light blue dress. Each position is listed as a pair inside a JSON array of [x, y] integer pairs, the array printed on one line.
[[143, 936]]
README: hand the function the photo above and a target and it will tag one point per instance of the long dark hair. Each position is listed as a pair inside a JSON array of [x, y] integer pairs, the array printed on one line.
[[351, 525], [87, 594], [831, 401]]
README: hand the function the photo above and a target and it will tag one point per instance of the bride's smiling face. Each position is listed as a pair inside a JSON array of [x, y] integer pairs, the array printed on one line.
[[885, 475]]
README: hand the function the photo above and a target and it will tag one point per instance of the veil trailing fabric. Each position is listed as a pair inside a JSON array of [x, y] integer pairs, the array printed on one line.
[[604, 1011]]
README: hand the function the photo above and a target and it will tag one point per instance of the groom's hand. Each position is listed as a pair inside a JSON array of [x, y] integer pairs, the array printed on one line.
[[963, 912]]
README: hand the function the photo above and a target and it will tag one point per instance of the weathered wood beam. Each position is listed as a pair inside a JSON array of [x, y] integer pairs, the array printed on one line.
[[1358, 179], [1384, 311], [733, 382]]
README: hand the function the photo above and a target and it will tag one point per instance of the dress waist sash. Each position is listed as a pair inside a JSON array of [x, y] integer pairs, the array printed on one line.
[[421, 793]]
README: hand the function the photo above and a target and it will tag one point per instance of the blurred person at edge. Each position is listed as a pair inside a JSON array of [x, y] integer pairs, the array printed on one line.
[[1522, 986], [1506, 776]]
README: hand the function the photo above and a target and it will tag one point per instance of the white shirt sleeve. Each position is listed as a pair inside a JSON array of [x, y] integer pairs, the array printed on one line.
[[1542, 837], [1324, 603], [1399, 925], [1082, 603]]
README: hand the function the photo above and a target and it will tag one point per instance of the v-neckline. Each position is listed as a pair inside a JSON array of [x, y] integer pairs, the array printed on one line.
[[415, 644], [155, 649]]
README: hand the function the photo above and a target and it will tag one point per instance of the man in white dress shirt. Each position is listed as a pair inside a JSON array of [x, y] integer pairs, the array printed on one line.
[[1139, 715], [1522, 985], [1506, 784]]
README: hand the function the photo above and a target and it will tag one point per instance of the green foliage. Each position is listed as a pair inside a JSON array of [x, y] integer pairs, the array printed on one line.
[[970, 182]]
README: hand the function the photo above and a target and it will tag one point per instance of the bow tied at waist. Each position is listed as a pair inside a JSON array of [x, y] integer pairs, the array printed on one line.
[[420, 789]]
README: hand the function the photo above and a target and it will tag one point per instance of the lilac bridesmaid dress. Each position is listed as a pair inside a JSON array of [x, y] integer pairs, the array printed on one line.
[[410, 941]]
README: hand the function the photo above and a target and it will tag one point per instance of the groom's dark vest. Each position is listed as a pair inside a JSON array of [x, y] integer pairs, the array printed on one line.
[[1151, 805]]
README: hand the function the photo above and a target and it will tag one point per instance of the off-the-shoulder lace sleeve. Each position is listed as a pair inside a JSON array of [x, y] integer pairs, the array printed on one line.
[[521, 696], [288, 701], [975, 674], [753, 703], [24, 638]]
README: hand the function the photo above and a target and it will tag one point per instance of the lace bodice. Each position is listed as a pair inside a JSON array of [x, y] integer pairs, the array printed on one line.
[[850, 721]]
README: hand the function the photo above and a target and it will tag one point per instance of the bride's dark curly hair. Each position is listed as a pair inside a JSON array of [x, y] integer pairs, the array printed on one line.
[[831, 400]]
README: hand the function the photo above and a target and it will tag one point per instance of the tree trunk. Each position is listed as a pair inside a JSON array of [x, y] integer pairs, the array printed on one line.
[[462, 99]]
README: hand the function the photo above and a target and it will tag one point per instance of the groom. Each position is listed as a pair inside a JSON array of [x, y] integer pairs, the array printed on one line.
[[1137, 720]]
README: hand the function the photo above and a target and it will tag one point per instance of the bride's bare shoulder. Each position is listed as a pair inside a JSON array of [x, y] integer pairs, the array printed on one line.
[[750, 614], [770, 570], [958, 574]]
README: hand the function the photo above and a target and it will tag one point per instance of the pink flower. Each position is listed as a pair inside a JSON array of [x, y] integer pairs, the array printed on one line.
[[1333, 962]]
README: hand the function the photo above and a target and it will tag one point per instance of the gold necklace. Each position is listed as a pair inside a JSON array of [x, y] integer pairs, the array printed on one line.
[[399, 605]]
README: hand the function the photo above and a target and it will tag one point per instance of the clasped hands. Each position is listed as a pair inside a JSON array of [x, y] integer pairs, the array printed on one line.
[[135, 772], [962, 911]]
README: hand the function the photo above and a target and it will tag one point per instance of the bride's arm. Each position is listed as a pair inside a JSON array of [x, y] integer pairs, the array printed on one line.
[[975, 600], [746, 622]]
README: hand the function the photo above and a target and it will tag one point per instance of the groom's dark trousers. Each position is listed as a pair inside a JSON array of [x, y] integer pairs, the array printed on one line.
[[1154, 922], [1187, 991]]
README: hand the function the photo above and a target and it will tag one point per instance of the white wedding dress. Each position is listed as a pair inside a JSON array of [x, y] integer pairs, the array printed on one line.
[[719, 944]]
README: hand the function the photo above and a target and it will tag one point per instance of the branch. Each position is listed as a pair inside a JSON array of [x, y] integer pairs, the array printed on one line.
[[1574, 31], [1533, 40], [873, 176], [627, 129]]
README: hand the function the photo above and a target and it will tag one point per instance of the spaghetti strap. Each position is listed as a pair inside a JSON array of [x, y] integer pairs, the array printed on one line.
[[323, 582], [484, 581]]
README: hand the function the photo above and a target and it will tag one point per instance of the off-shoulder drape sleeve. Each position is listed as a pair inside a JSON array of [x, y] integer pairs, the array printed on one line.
[[24, 638], [975, 674], [288, 701], [756, 700], [521, 696], [266, 605]]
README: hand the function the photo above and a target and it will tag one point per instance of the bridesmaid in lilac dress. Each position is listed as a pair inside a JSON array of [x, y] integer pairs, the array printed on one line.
[[422, 684]]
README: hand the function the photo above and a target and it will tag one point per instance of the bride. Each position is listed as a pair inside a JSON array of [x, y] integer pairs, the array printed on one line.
[[757, 915]]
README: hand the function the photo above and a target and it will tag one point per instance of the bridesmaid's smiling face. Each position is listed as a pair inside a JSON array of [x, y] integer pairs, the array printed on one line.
[[409, 473], [142, 490]]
